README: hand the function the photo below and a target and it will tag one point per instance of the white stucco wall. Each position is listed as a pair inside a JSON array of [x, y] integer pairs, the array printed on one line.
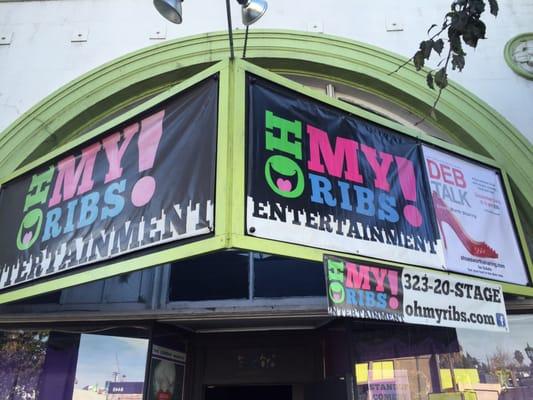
[[41, 56]]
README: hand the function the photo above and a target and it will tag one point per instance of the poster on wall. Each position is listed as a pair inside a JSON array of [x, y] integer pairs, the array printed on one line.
[[146, 182], [473, 218], [321, 177], [407, 295], [167, 372], [390, 387]]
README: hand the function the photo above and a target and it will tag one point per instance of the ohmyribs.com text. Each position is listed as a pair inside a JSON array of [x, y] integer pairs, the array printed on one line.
[[452, 314]]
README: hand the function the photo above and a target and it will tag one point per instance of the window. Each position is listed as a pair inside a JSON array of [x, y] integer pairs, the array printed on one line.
[[110, 368], [22, 356], [371, 103], [277, 276], [218, 276], [415, 362], [72, 366]]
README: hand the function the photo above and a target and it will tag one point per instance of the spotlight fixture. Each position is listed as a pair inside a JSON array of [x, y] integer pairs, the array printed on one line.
[[170, 9], [252, 10]]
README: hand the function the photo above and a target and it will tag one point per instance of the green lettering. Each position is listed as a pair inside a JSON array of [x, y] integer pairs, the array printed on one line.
[[282, 142], [335, 270], [336, 292], [27, 234], [39, 188], [286, 167]]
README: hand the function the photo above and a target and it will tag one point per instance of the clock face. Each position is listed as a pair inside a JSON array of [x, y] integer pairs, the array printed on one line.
[[519, 54], [522, 53]]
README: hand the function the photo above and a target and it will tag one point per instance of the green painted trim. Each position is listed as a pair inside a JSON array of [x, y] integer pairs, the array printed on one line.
[[519, 230], [94, 94], [268, 246], [507, 54], [114, 122], [115, 267], [223, 179], [302, 89], [90, 275], [238, 167]]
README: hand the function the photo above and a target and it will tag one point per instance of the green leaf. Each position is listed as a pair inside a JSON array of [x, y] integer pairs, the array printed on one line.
[[458, 61], [474, 31], [429, 80], [460, 21], [456, 5], [494, 7], [441, 78], [418, 60], [438, 45], [455, 41], [425, 47], [476, 7], [481, 28]]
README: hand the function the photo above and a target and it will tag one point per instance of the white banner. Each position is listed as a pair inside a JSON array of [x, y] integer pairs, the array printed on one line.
[[412, 296], [438, 300], [473, 217]]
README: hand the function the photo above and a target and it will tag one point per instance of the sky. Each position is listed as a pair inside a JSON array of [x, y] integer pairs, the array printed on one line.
[[98, 354]]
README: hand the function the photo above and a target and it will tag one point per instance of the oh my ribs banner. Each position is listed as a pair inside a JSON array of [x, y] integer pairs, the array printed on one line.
[[322, 177], [147, 182]]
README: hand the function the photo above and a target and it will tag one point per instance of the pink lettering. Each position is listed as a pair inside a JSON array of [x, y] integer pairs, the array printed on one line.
[[393, 282], [357, 278], [115, 152], [345, 153], [459, 178], [69, 175], [151, 131], [380, 170], [433, 168], [446, 174], [379, 275]]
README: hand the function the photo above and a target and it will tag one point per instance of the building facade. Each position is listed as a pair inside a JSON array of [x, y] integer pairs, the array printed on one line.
[[175, 220]]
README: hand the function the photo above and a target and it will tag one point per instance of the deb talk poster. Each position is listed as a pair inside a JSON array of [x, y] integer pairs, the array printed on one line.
[[143, 183], [473, 218], [321, 177]]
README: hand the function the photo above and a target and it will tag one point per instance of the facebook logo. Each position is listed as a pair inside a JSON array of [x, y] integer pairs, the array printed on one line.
[[500, 320]]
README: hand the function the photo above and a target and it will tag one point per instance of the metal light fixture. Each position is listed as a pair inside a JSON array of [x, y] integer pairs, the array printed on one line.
[[170, 9], [252, 10]]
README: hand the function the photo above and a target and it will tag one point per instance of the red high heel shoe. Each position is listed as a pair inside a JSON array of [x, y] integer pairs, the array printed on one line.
[[477, 249]]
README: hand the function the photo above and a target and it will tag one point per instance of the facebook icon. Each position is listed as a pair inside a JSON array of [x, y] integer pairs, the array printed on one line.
[[500, 320]]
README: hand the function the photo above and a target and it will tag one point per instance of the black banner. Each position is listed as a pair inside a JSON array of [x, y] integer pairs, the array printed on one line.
[[147, 182], [322, 177]]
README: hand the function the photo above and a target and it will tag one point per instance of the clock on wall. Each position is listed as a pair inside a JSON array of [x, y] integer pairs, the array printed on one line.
[[519, 54]]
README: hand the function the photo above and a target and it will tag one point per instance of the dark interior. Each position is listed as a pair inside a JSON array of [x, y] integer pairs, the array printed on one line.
[[248, 393]]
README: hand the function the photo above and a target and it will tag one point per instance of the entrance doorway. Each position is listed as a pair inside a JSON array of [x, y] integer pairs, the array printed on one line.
[[249, 392]]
